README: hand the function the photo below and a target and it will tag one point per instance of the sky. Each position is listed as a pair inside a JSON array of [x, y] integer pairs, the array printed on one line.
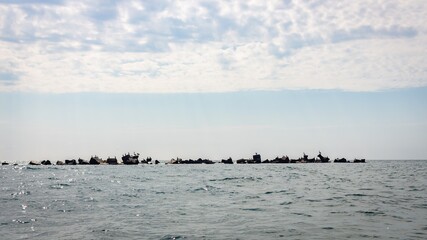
[[213, 79]]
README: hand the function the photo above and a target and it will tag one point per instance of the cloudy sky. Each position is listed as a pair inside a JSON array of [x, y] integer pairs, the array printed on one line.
[[213, 78]]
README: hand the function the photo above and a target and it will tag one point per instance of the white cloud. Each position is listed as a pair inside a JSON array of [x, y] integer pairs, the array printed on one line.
[[188, 46]]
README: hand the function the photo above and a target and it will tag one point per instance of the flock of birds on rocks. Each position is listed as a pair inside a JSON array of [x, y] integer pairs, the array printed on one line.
[[128, 159]]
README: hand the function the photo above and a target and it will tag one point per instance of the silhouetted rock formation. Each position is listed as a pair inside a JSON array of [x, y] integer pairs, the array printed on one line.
[[46, 162], [256, 158], [112, 161], [284, 159], [83, 162], [359, 160], [4, 163], [191, 161], [130, 159], [306, 159], [227, 161], [95, 160], [71, 162], [340, 160], [241, 161], [323, 159]]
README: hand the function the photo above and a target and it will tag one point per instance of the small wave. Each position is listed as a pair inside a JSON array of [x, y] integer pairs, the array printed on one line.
[[252, 197], [59, 186], [328, 228], [303, 214], [23, 221], [130, 195], [415, 189], [236, 178], [286, 203], [371, 213], [280, 191], [65, 210], [423, 205], [95, 189], [339, 212], [172, 237], [33, 168], [206, 188], [22, 192], [252, 209], [356, 195]]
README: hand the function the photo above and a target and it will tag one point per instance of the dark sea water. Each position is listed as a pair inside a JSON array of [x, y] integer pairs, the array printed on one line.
[[379, 199]]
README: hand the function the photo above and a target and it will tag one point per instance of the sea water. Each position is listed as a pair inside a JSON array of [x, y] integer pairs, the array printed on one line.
[[378, 199]]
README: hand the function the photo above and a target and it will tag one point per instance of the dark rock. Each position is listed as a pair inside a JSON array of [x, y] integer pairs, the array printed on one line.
[[71, 162], [95, 160], [241, 161], [112, 161], [83, 162], [340, 160], [359, 160], [59, 163], [130, 159], [256, 158], [46, 162], [322, 158], [227, 161]]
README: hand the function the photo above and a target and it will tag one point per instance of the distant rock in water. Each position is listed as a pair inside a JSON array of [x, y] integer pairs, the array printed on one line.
[[191, 161], [359, 160], [95, 160], [59, 162], [284, 159], [112, 161], [322, 158], [340, 160], [131, 159], [241, 161], [83, 162], [4, 163], [33, 163], [71, 162], [227, 161], [46, 162]]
